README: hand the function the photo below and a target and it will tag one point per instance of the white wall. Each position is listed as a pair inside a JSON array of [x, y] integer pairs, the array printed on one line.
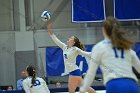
[[7, 58], [9, 43], [6, 15], [24, 41]]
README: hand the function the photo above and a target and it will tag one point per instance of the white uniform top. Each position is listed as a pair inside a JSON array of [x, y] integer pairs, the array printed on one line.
[[39, 86], [70, 54], [113, 67]]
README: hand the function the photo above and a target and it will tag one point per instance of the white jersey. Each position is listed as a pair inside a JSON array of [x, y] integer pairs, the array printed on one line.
[[114, 63], [39, 86], [70, 54]]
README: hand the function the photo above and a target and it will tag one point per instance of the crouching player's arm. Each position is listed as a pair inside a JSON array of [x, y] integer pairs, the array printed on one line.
[[45, 86], [26, 87]]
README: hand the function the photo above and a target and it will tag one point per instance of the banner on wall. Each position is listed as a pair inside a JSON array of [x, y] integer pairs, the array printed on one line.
[[88, 10], [126, 10]]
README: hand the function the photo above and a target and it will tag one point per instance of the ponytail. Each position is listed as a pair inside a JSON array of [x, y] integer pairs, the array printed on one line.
[[31, 71], [78, 43], [82, 47], [33, 78], [113, 31]]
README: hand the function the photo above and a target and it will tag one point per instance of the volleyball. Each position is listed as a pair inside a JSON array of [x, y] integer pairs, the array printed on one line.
[[45, 16]]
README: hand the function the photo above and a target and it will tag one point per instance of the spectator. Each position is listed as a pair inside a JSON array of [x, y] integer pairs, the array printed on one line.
[[58, 84], [19, 82], [10, 87]]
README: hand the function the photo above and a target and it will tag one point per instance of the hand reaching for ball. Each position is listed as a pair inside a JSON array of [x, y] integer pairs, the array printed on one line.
[[49, 28]]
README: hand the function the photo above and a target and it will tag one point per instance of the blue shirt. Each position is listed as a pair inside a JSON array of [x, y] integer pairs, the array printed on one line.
[[19, 84]]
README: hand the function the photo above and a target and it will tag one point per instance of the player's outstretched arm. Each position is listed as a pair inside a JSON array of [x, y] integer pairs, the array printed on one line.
[[45, 86], [84, 53], [54, 38], [26, 87], [49, 29], [89, 76]]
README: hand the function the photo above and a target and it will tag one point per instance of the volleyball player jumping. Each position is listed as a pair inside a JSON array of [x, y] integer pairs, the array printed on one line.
[[70, 52]]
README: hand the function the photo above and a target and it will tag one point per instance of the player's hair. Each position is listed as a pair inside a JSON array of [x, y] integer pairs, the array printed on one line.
[[113, 31], [31, 71], [78, 43]]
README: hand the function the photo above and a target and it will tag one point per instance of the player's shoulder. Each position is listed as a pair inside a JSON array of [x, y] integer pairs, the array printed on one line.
[[105, 42], [40, 79], [27, 79], [101, 44], [75, 48], [132, 52], [64, 46]]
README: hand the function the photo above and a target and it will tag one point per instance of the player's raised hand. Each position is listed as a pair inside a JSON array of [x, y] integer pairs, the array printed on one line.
[[49, 28]]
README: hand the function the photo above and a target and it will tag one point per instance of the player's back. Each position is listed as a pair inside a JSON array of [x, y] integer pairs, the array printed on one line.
[[38, 87], [115, 62]]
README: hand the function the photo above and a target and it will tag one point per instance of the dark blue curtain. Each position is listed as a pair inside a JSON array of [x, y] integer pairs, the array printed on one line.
[[127, 9], [88, 10], [54, 61]]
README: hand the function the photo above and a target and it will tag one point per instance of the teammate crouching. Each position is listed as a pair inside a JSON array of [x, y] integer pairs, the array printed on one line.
[[33, 84]]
